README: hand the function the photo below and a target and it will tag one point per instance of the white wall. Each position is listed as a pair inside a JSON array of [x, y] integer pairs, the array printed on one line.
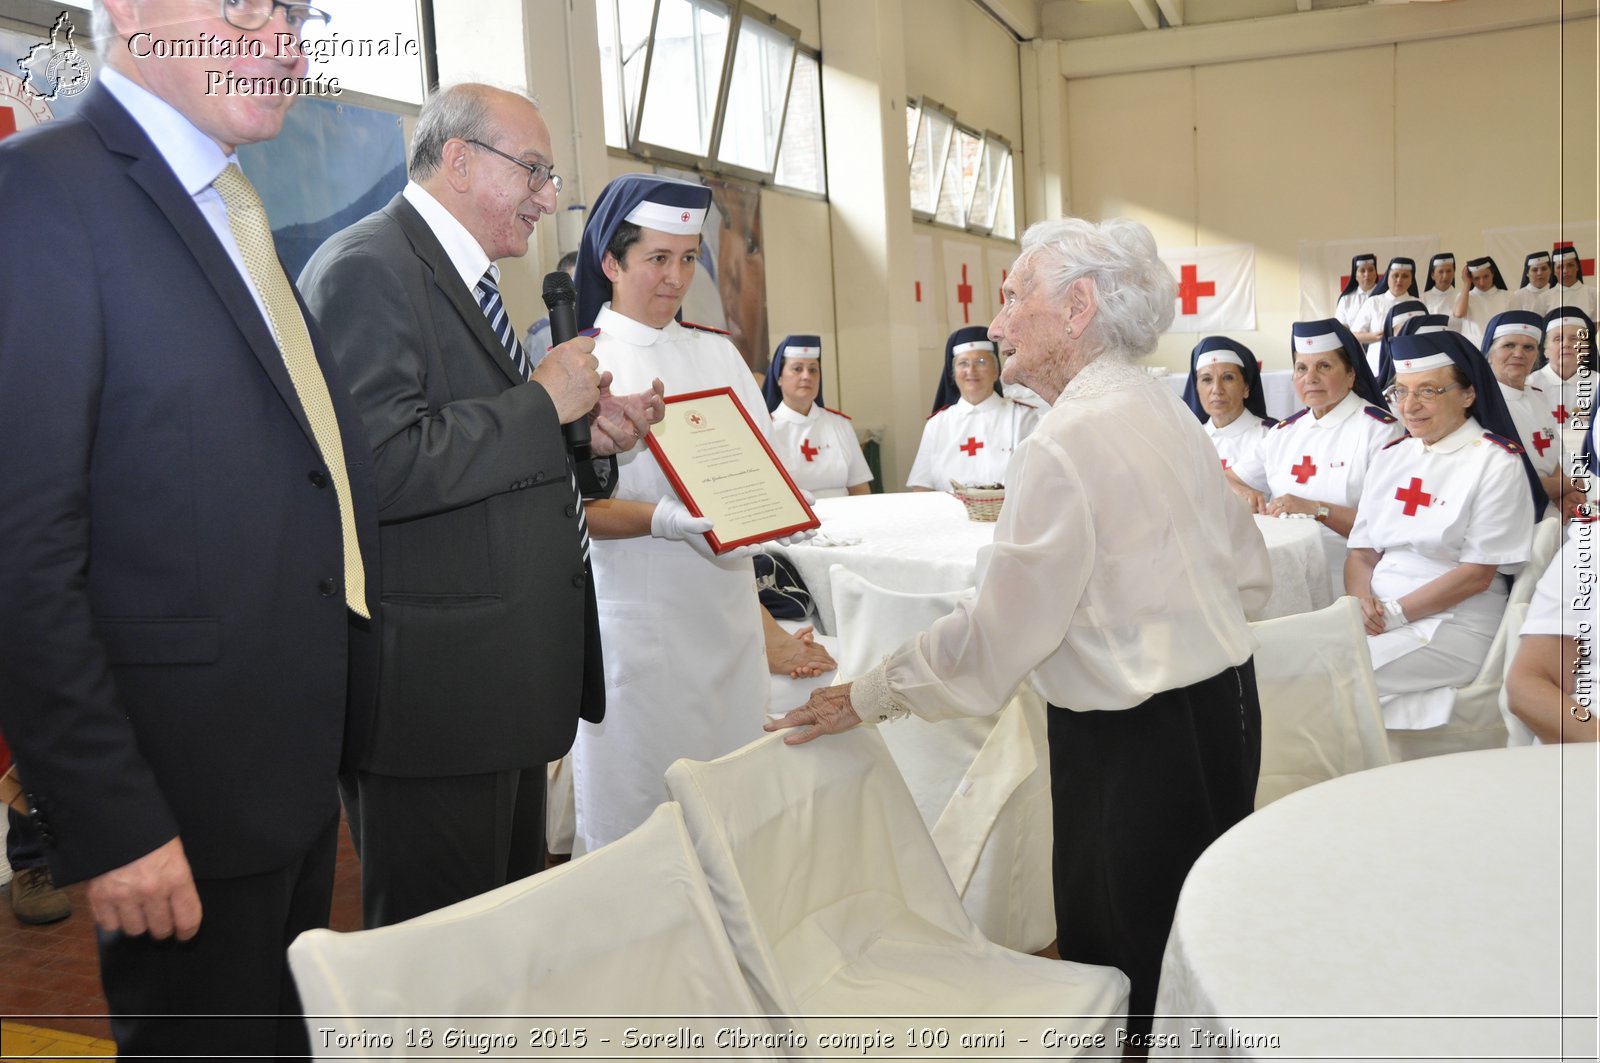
[[1452, 134]]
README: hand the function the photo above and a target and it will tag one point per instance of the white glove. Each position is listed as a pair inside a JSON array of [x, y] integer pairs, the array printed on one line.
[[800, 536], [672, 520]]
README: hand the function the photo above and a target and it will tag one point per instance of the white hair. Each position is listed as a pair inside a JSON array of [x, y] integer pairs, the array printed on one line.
[[1134, 289]]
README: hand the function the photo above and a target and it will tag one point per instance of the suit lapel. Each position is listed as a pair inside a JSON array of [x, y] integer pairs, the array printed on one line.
[[448, 281], [151, 173]]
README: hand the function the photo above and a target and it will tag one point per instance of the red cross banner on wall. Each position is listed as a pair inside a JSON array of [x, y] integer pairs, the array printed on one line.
[[965, 286], [1510, 245], [925, 291], [1216, 287], [1587, 264]]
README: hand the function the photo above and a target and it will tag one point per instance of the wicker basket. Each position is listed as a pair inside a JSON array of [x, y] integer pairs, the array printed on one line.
[[983, 502]]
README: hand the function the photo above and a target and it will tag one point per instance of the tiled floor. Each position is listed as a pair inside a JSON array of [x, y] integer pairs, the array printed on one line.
[[49, 976]]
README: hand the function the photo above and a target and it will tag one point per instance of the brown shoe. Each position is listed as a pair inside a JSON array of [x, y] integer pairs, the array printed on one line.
[[35, 899]]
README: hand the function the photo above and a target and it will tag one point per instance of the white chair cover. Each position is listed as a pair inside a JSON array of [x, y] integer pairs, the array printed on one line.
[[982, 785], [629, 930], [838, 905], [1475, 720], [1319, 704]]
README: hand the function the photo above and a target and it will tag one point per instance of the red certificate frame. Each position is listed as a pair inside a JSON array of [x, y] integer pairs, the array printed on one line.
[[691, 435]]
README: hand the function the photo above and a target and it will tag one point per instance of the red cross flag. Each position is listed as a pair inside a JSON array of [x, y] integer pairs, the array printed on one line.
[[966, 290], [1216, 288]]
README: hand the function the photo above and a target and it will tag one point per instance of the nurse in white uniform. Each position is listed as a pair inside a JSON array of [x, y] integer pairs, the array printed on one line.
[[1224, 391], [1400, 315], [1568, 380], [970, 439], [685, 662], [817, 445], [1440, 292], [1400, 281], [1551, 684], [1534, 291], [1511, 344], [1483, 296], [1568, 288], [1445, 510], [1358, 289], [1317, 459]]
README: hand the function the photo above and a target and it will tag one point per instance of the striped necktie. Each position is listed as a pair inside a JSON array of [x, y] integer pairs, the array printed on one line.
[[488, 294], [248, 220]]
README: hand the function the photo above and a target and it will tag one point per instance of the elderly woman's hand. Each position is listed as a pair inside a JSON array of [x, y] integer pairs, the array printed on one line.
[[1289, 505], [828, 712]]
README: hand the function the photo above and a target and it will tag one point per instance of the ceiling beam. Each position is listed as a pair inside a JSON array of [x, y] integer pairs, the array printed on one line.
[[1302, 5], [1146, 11], [1173, 9]]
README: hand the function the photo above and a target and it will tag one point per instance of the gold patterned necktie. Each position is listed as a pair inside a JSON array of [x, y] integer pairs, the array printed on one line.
[[248, 220]]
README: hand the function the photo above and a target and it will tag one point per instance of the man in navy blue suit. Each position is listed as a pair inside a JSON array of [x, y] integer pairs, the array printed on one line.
[[186, 521]]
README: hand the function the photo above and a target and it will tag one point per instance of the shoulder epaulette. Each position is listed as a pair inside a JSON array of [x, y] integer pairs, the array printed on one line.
[[940, 410], [704, 328], [1530, 387], [1268, 422], [1510, 446], [1292, 418], [1025, 405], [1396, 442], [840, 413], [1381, 416]]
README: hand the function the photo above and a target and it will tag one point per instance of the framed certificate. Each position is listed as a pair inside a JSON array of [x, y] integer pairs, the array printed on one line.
[[721, 467]]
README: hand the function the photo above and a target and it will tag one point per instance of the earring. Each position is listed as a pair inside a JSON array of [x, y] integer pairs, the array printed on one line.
[[1069, 330]]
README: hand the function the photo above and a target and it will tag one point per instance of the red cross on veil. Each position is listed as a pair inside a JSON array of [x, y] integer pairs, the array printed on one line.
[[808, 450], [1413, 496], [1305, 470], [971, 446]]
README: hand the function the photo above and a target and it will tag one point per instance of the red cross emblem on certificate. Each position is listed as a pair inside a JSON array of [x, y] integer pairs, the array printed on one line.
[[1305, 470], [808, 450], [971, 446], [1413, 496]]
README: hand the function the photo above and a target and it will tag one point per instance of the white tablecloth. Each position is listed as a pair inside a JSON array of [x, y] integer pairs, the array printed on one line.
[[922, 542], [1441, 908], [1277, 387]]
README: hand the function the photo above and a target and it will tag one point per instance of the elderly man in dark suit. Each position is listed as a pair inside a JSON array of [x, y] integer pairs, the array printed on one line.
[[491, 645], [186, 529]]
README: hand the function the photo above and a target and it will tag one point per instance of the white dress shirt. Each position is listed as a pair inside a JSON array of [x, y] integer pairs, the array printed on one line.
[[1122, 567]]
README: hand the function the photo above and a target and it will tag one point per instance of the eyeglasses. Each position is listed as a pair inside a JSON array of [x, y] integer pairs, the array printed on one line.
[[1425, 394], [538, 173], [253, 14], [973, 363]]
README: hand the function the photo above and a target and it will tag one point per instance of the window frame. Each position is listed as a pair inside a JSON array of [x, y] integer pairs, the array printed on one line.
[[936, 173], [822, 122]]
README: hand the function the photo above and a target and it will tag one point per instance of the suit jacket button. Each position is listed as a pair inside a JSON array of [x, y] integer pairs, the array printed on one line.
[[328, 587], [538, 477], [572, 509], [318, 479], [577, 581]]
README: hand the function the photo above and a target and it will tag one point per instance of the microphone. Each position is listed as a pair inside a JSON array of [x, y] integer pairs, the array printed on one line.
[[561, 299]]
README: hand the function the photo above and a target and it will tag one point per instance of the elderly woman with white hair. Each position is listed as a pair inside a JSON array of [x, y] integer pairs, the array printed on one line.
[[1119, 583]]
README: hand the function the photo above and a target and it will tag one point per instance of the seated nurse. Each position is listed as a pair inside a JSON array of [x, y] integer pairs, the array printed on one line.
[[1445, 510], [817, 445], [974, 428], [1224, 391], [1317, 459]]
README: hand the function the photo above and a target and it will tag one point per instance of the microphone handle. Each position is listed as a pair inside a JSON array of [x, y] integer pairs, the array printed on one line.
[[564, 326]]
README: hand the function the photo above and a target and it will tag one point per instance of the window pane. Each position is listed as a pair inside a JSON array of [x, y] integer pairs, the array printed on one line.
[[959, 171], [761, 61], [1005, 219], [913, 116], [372, 46], [986, 194], [685, 72], [801, 162], [928, 157], [624, 31]]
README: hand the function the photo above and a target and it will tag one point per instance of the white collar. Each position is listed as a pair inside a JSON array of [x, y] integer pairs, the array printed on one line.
[[783, 412], [1236, 426], [1109, 372], [627, 329], [460, 246], [1346, 409], [194, 157], [1569, 287], [1514, 394], [965, 407], [1453, 442]]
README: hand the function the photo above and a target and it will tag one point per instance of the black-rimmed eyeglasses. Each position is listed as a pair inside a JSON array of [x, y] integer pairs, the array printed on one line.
[[538, 173], [253, 14]]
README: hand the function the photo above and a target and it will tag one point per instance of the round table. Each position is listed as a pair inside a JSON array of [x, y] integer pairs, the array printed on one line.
[[1441, 908], [922, 542]]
